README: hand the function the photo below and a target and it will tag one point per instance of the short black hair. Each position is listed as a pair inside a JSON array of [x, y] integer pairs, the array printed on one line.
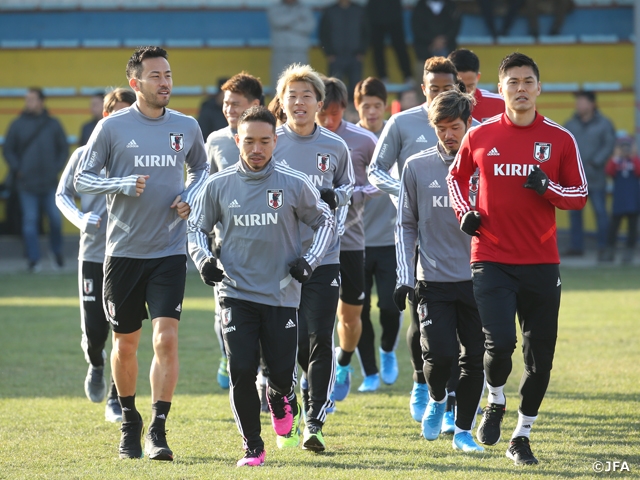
[[244, 84], [369, 87], [134, 65], [335, 92], [517, 59], [451, 105], [588, 94], [258, 113], [38, 91], [465, 60]]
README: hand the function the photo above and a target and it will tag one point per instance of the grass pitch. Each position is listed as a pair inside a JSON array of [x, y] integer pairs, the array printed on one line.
[[48, 429]]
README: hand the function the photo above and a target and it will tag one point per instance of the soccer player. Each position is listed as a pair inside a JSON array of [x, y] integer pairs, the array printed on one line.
[[444, 293], [89, 219], [361, 145], [144, 150], [324, 157], [260, 204], [529, 166], [370, 98], [240, 92], [405, 134], [488, 104]]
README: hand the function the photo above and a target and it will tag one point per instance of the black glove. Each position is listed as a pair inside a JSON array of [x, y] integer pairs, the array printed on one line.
[[329, 197], [537, 180], [300, 270], [210, 272], [400, 296], [470, 223]]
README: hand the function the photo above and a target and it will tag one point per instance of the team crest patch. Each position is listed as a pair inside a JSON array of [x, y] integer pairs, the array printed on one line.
[[422, 311], [111, 307], [87, 286], [225, 316], [275, 198], [473, 183], [323, 162], [177, 141], [541, 151]]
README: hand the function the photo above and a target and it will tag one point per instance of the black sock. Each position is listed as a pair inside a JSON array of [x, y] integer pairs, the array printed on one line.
[[159, 413], [344, 358], [113, 391], [129, 412]]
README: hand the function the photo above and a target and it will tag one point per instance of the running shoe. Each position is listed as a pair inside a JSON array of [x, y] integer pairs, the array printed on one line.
[[130, 439], [464, 441], [432, 419], [252, 458], [292, 439], [155, 445], [520, 452], [418, 401], [343, 382], [281, 415], [489, 429], [113, 411], [449, 422], [223, 374], [313, 439], [371, 383], [95, 385], [388, 367]]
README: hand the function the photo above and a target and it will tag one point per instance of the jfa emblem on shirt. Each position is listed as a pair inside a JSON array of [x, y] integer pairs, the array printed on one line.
[[111, 308], [275, 198], [177, 141], [422, 311], [541, 151], [323, 162], [88, 286], [225, 316]]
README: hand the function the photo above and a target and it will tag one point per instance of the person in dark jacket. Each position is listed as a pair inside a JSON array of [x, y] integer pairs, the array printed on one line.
[[624, 168], [343, 37], [96, 115], [385, 19], [596, 139], [435, 26], [211, 117], [36, 150]]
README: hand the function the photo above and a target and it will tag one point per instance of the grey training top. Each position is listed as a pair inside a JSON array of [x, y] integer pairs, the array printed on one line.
[[93, 208], [324, 157], [222, 151], [129, 144], [379, 217], [425, 215], [405, 134], [260, 213], [361, 145]]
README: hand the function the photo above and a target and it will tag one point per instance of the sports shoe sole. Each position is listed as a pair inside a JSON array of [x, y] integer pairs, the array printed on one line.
[[313, 444]]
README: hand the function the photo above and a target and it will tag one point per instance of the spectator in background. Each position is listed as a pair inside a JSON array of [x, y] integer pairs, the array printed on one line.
[[435, 26], [596, 138], [343, 37], [532, 9], [291, 25], [624, 168], [96, 115], [406, 99], [211, 117], [385, 19], [36, 150]]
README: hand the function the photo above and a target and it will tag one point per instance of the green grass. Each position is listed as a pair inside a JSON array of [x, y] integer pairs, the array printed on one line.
[[48, 429]]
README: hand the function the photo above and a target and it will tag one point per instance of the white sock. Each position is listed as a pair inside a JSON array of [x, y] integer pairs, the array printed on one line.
[[523, 427], [496, 395], [459, 430], [444, 399]]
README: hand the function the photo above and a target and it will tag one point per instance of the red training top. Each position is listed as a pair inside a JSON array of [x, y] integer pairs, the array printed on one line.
[[487, 105], [518, 226]]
